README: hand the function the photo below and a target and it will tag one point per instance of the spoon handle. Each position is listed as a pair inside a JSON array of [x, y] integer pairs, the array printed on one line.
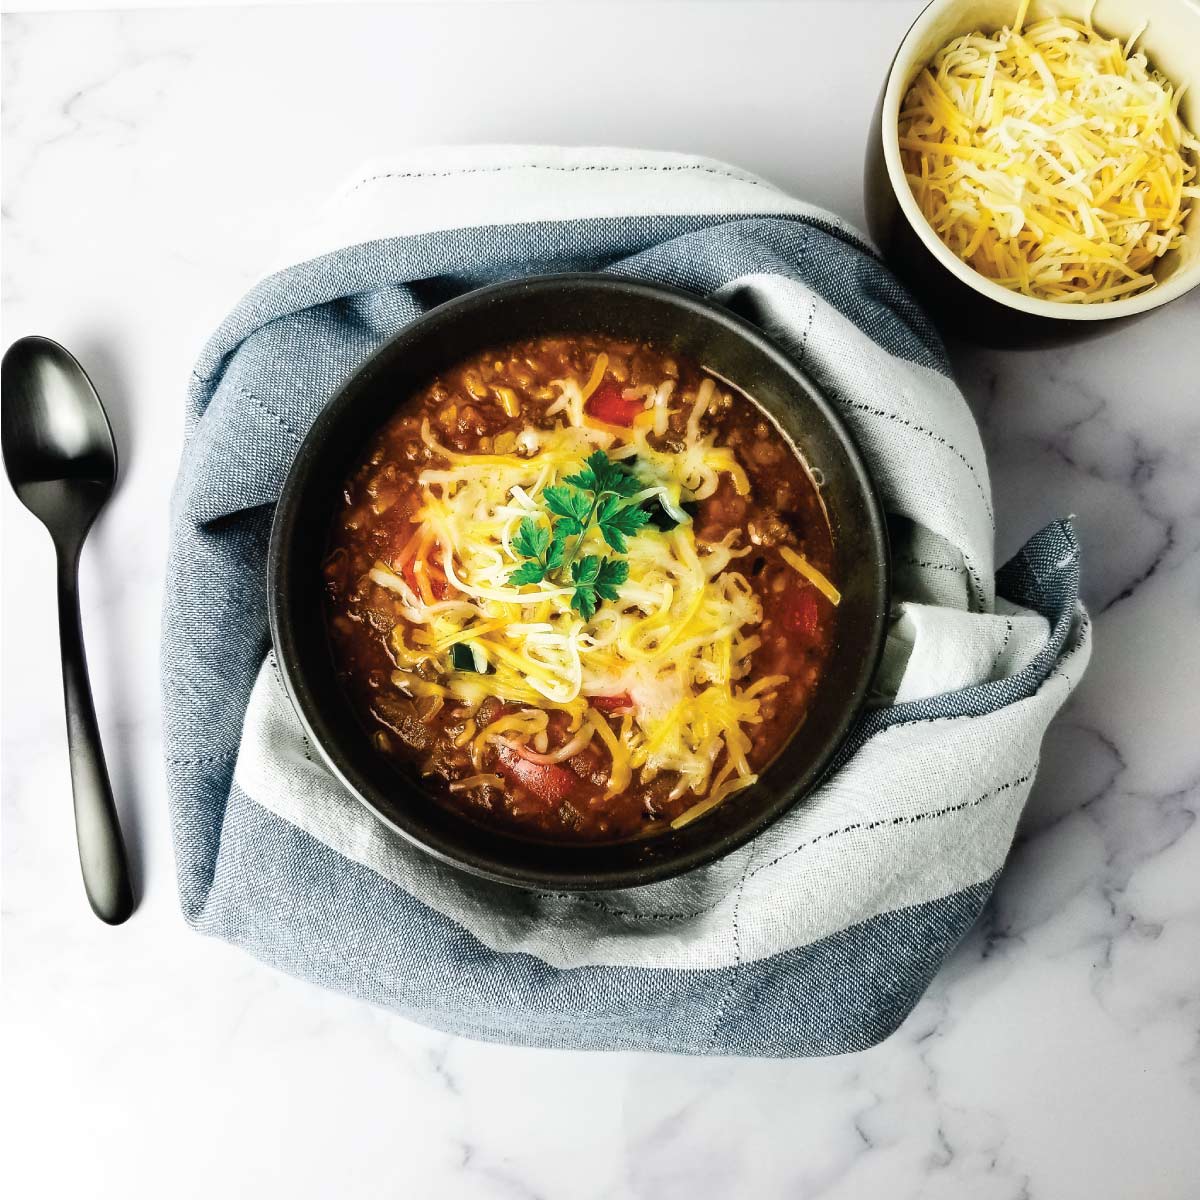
[[101, 849]]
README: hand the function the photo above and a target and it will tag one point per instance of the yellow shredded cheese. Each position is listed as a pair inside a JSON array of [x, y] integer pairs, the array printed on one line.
[[1050, 158], [815, 577], [679, 641]]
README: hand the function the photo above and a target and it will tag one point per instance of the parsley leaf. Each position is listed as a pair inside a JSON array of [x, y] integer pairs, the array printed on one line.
[[534, 542], [528, 572], [612, 573], [624, 483], [607, 508], [531, 539], [589, 478], [623, 522], [596, 579], [583, 574], [554, 556], [571, 505], [586, 569], [601, 475], [584, 603]]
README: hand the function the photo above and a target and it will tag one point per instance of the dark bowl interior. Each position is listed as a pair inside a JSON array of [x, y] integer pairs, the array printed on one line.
[[689, 327]]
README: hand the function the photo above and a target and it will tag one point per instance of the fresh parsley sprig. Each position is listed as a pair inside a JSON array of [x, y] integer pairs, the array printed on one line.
[[596, 496]]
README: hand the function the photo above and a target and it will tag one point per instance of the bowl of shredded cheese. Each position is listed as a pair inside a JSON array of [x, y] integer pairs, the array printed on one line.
[[1034, 172]]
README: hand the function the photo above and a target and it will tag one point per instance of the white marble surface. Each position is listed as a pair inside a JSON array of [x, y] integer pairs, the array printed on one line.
[[151, 159]]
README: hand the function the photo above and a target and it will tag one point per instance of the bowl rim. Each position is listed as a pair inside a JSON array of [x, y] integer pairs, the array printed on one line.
[[285, 642], [1182, 282]]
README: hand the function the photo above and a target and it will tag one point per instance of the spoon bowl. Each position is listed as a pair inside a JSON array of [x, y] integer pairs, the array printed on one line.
[[58, 447], [62, 462]]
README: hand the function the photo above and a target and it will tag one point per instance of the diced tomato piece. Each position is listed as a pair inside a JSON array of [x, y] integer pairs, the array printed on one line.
[[547, 781], [802, 612], [410, 577], [437, 581], [607, 404], [612, 704]]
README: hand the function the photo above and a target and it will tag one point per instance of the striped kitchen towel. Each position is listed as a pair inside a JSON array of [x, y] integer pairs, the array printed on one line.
[[817, 937]]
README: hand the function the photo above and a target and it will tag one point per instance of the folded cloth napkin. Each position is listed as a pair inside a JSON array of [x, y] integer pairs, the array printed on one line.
[[817, 937]]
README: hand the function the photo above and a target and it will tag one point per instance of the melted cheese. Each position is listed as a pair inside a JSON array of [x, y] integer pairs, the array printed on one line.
[[678, 641], [1050, 158]]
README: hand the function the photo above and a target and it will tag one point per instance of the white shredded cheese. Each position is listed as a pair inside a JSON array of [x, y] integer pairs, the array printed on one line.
[[1051, 159]]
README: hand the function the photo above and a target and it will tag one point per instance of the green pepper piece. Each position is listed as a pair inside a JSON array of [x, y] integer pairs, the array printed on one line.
[[663, 520], [462, 659]]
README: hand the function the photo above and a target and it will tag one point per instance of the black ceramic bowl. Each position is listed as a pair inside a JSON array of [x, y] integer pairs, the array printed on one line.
[[676, 321], [962, 301]]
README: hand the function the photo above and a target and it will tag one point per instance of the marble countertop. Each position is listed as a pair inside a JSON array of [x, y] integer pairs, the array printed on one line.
[[151, 161]]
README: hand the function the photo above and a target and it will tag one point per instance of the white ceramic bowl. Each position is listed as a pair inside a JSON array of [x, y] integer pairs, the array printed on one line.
[[1172, 44]]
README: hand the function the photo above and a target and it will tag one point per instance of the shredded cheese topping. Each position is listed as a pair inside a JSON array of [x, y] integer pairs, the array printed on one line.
[[678, 642], [1051, 159]]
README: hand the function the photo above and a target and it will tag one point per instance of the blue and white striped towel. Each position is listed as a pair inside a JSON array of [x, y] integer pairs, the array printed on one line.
[[820, 935]]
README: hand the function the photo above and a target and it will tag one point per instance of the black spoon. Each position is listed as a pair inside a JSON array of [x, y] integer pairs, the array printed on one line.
[[62, 463]]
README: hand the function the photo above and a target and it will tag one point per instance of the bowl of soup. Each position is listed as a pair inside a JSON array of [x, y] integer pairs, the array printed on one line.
[[579, 582]]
